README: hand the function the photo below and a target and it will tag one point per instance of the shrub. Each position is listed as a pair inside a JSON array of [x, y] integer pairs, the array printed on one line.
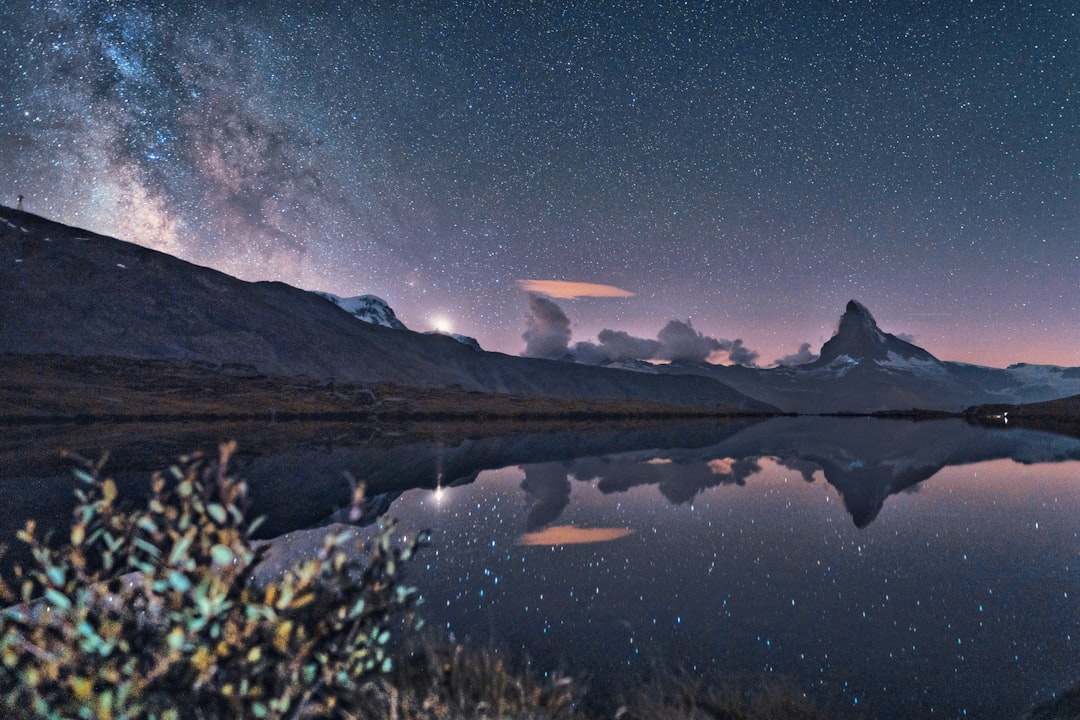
[[148, 613]]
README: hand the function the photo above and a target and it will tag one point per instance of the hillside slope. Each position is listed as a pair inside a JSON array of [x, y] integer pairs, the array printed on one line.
[[66, 291]]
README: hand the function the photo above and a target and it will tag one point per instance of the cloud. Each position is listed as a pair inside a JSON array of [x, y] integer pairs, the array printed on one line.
[[738, 353], [800, 357], [547, 332], [570, 290], [680, 341], [549, 487], [616, 344], [547, 335], [571, 535]]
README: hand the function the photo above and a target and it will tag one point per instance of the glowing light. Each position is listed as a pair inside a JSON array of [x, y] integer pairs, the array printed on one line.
[[442, 324]]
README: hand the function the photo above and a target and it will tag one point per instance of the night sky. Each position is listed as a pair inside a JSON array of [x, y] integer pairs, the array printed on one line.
[[749, 167]]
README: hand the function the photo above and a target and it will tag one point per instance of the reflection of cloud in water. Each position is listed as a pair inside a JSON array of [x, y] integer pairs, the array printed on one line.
[[570, 535], [721, 466], [549, 487], [677, 481], [806, 468]]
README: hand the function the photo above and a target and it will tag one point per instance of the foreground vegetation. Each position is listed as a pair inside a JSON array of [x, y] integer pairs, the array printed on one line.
[[153, 612], [149, 613]]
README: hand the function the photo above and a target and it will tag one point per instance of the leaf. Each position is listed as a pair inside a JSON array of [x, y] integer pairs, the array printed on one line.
[[55, 574], [256, 524], [221, 555], [58, 599], [217, 512], [179, 582], [82, 687], [146, 547], [180, 549], [147, 524]]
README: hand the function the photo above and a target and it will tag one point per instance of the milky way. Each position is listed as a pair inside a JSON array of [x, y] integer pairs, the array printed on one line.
[[746, 166]]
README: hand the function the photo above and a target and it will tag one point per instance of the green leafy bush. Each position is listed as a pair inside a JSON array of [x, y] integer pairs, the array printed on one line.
[[149, 613]]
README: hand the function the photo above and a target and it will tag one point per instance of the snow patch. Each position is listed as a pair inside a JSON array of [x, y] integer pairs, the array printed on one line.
[[371, 309], [895, 361]]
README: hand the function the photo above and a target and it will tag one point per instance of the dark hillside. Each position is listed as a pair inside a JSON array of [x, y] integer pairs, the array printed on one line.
[[66, 291]]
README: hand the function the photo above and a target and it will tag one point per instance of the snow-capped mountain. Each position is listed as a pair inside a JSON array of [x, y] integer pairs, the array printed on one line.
[[371, 309], [865, 369], [859, 340]]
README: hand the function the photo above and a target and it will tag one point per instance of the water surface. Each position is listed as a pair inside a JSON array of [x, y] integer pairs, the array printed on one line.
[[902, 568], [848, 560]]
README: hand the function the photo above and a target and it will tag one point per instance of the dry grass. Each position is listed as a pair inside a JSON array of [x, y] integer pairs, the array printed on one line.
[[434, 682], [40, 388], [691, 698]]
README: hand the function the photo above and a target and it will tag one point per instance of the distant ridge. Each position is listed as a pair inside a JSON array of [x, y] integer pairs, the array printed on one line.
[[863, 369]]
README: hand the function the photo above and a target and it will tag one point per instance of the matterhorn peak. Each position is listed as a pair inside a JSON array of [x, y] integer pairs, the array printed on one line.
[[859, 339], [857, 318]]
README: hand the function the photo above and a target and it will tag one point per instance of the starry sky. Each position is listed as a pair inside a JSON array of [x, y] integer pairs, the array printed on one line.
[[745, 166]]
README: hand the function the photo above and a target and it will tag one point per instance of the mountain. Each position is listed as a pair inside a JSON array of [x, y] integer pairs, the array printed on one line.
[[371, 309], [465, 340], [860, 340], [69, 292], [867, 461], [863, 369]]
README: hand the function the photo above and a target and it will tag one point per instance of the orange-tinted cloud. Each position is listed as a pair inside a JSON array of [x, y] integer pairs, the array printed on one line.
[[570, 290], [570, 535]]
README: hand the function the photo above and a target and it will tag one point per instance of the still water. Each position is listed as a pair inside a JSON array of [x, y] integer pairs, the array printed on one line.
[[957, 596], [895, 568]]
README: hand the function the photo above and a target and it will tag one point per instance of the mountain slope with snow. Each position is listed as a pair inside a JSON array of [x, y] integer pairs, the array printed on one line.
[[371, 309], [864, 369]]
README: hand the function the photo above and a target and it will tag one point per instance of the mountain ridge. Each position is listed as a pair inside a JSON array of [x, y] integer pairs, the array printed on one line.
[[68, 291], [863, 369]]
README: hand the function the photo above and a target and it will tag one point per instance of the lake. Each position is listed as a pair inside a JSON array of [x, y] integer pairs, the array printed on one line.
[[901, 568]]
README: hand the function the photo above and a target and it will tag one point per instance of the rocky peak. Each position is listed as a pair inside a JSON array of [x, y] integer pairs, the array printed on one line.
[[860, 339]]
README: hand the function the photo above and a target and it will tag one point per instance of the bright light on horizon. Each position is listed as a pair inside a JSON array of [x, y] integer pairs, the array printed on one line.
[[442, 324]]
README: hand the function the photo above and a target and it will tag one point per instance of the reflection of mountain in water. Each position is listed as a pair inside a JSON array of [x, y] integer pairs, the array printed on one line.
[[295, 472], [301, 484], [866, 460]]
